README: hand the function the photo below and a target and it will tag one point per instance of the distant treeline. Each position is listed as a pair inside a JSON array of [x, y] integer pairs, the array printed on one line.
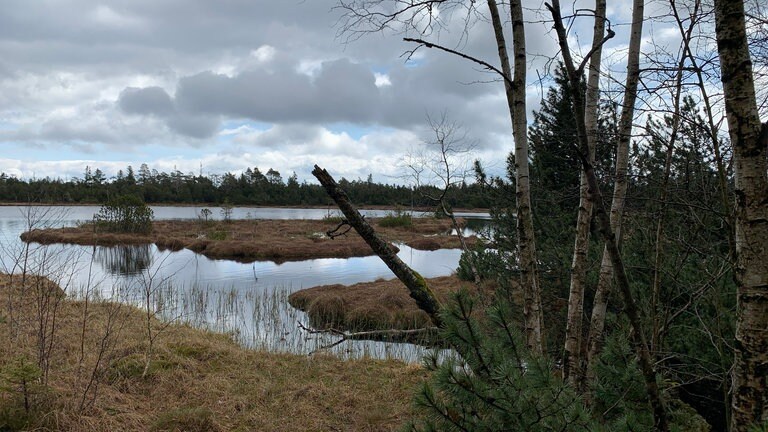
[[249, 188]]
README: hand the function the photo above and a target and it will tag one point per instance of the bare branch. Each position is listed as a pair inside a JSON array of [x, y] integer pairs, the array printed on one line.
[[483, 63]]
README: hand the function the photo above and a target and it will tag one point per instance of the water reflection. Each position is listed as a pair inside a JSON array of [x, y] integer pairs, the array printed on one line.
[[188, 268], [124, 260]]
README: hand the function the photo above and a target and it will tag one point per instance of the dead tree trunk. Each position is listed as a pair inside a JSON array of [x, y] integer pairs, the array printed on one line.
[[420, 291]]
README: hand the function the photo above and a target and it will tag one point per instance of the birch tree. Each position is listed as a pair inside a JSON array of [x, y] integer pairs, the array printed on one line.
[[526, 242], [605, 280], [572, 367], [607, 233], [749, 138]]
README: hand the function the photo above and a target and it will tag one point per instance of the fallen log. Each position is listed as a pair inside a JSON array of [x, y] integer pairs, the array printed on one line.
[[417, 286]]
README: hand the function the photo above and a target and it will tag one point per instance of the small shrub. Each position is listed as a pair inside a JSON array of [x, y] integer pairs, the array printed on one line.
[[19, 381], [194, 419], [18, 376], [226, 211], [333, 218], [218, 235], [205, 217], [396, 219], [125, 214]]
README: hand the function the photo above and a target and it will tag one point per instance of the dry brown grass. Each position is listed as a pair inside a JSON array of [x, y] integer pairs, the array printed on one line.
[[251, 240], [197, 380], [371, 305]]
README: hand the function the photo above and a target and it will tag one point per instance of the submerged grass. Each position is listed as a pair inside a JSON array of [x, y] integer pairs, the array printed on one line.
[[197, 380]]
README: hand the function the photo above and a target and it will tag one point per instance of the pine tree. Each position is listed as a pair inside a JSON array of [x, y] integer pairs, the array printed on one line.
[[495, 383]]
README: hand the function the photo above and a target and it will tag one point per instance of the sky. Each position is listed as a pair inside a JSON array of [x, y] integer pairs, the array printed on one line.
[[211, 87]]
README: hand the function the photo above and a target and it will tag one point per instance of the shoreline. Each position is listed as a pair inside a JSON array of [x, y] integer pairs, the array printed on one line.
[[218, 205]]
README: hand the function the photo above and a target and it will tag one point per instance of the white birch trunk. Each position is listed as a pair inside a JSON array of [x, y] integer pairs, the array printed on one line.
[[526, 243], [655, 397], [573, 364], [749, 139], [605, 280]]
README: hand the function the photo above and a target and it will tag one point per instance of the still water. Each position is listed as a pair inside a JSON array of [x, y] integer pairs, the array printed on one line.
[[248, 301]]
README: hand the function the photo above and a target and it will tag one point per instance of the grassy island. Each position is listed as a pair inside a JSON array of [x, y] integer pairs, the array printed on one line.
[[382, 304], [253, 240]]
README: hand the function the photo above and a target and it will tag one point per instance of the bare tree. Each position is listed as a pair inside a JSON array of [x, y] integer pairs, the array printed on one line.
[[749, 138], [444, 164]]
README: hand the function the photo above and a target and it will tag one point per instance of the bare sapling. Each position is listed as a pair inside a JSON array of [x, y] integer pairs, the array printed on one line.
[[441, 166]]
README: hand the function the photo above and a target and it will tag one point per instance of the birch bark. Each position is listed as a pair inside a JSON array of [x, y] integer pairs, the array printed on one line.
[[749, 139], [526, 242], [605, 280], [573, 366], [655, 398]]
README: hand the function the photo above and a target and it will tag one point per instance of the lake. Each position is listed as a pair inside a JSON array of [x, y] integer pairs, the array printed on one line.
[[248, 301]]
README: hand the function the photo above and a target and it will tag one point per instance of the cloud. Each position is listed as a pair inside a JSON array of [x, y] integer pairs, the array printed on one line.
[[147, 101], [337, 91], [171, 82]]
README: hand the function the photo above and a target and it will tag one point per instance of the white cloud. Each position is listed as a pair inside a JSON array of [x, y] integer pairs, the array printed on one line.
[[264, 53], [382, 80]]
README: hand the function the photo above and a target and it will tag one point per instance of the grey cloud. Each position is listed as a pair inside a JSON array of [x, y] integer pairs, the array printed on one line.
[[148, 100], [165, 40], [347, 90], [155, 101], [342, 91], [194, 126], [38, 35]]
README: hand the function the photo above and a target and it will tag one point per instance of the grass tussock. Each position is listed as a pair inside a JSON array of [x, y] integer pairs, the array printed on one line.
[[251, 240], [95, 377], [369, 306]]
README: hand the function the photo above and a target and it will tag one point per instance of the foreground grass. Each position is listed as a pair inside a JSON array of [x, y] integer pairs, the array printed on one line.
[[251, 240], [195, 380]]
